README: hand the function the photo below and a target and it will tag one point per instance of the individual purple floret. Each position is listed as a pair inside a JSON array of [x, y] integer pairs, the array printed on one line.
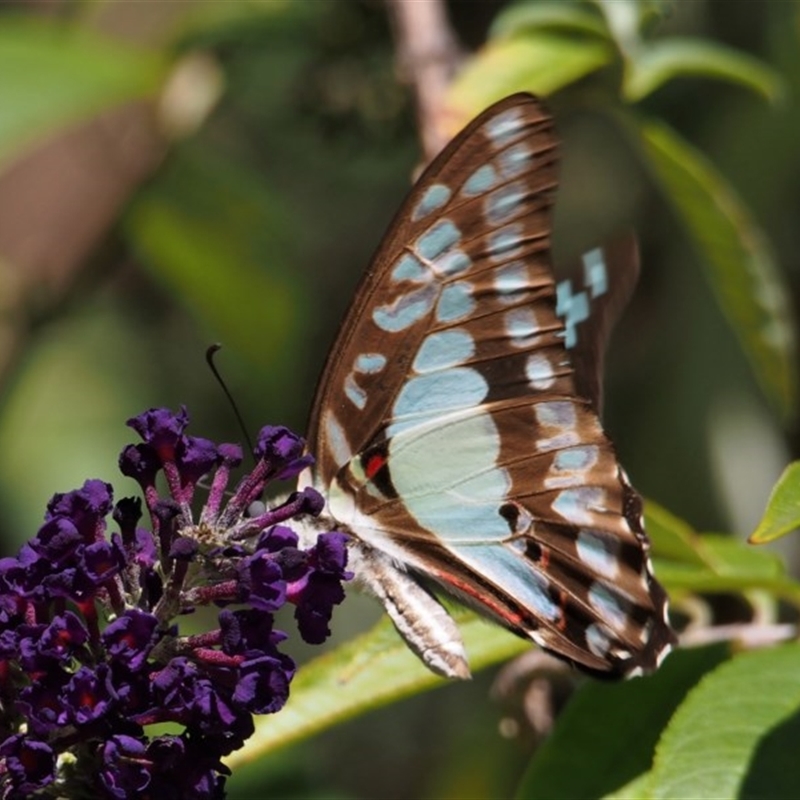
[[92, 652]]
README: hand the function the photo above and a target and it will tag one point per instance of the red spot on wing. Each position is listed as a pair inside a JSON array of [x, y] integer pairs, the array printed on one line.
[[374, 464]]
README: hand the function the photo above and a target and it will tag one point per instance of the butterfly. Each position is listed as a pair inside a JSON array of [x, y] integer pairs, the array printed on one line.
[[456, 424]]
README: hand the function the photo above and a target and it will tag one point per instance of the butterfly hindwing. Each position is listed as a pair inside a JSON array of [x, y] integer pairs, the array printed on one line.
[[455, 439]]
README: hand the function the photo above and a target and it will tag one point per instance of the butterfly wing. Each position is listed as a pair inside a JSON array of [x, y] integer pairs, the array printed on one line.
[[455, 440], [592, 298]]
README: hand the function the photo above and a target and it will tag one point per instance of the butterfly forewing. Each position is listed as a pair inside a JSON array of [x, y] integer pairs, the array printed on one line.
[[452, 432], [418, 281]]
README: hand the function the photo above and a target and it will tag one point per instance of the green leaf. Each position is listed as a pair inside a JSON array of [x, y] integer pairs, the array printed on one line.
[[626, 19], [525, 18], [782, 514], [671, 537], [608, 732], [659, 62], [736, 734], [731, 557], [540, 62], [731, 567], [365, 673], [738, 263], [55, 75], [637, 789], [686, 561]]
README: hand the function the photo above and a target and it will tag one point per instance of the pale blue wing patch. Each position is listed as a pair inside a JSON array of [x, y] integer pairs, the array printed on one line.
[[506, 242], [559, 421], [460, 455], [483, 179], [514, 160], [599, 553], [410, 268], [595, 272], [406, 309], [356, 395], [370, 363], [336, 439], [539, 372], [510, 280], [365, 364], [521, 327], [443, 350], [598, 639], [504, 204], [435, 197], [556, 414], [573, 309], [577, 459], [455, 302], [431, 395], [607, 606], [451, 263], [580, 504], [441, 236], [505, 127], [570, 467]]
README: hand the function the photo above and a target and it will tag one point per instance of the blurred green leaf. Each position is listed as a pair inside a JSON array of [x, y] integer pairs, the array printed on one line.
[[729, 556], [55, 75], [525, 18], [656, 63], [672, 538], [541, 62], [611, 730], [627, 18], [218, 241], [782, 514], [733, 729], [736, 256], [691, 562], [365, 673], [211, 23], [735, 568]]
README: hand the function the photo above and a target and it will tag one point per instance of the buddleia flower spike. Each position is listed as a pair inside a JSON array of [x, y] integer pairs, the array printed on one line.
[[92, 647]]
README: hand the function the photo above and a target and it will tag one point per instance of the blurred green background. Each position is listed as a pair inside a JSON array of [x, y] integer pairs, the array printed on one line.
[[176, 174]]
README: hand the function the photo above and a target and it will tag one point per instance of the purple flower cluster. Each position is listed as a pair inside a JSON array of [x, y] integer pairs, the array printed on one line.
[[90, 650]]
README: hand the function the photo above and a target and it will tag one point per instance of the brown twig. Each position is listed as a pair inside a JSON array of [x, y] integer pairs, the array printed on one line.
[[428, 55], [58, 202]]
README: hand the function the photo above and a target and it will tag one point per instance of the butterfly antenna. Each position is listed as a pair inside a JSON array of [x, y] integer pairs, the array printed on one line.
[[210, 354]]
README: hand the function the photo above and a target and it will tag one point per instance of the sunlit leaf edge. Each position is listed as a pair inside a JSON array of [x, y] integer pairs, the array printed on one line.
[[782, 514], [657, 63], [612, 729], [541, 62], [707, 747], [522, 19], [735, 255]]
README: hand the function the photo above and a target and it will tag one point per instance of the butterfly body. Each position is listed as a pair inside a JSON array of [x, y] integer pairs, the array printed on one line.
[[456, 424]]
